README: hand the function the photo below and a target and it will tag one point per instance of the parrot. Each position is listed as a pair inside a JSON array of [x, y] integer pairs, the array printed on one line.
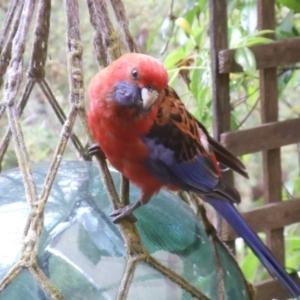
[[145, 131]]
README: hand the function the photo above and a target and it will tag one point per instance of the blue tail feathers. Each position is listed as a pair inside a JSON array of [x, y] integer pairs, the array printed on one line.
[[235, 220]]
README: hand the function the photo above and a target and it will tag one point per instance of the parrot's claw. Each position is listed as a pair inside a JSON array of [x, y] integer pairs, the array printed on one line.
[[124, 213], [95, 149]]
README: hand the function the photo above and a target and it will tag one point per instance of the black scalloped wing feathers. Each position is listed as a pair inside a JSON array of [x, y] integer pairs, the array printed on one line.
[[176, 128], [224, 156], [185, 133], [178, 154]]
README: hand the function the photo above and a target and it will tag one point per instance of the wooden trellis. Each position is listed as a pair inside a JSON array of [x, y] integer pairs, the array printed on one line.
[[268, 137]]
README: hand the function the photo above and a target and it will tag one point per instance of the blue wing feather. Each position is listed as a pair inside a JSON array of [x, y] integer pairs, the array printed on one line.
[[196, 175], [166, 167]]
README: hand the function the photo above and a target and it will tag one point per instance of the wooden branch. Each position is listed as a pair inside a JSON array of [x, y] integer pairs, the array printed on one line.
[[6, 52], [263, 137], [106, 40], [267, 217], [120, 13], [278, 53], [272, 289]]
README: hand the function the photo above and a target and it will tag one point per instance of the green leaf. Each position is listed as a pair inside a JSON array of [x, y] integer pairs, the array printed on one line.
[[284, 79], [297, 186], [174, 57], [245, 57], [262, 32], [192, 14], [257, 40], [292, 251], [250, 265], [195, 78], [184, 25], [254, 38], [233, 122], [287, 23], [291, 4], [203, 4]]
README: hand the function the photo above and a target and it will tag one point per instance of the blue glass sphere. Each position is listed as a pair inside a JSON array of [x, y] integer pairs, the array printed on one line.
[[83, 252]]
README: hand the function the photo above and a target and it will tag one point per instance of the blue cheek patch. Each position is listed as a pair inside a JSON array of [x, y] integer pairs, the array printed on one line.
[[127, 94]]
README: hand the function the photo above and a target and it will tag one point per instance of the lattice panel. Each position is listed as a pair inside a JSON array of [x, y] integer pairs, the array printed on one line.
[[267, 138]]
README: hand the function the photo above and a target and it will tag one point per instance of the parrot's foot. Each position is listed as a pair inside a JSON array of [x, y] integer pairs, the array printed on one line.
[[95, 149], [125, 213]]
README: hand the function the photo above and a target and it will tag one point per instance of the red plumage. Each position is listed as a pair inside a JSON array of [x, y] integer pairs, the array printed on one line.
[[118, 130]]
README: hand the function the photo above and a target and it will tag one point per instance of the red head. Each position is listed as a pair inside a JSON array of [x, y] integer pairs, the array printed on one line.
[[130, 85]]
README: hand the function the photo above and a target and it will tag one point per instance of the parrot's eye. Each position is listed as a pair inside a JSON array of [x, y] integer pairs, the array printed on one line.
[[134, 74]]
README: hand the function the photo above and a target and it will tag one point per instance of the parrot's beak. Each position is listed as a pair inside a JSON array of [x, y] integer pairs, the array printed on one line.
[[149, 95]]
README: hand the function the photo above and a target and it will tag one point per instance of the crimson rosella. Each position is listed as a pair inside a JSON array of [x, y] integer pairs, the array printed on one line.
[[147, 134]]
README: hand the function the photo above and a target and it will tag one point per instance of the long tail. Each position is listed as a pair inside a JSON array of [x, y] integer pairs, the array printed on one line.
[[235, 220]]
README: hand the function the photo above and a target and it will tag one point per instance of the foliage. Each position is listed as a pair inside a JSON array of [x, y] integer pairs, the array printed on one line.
[[188, 60]]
